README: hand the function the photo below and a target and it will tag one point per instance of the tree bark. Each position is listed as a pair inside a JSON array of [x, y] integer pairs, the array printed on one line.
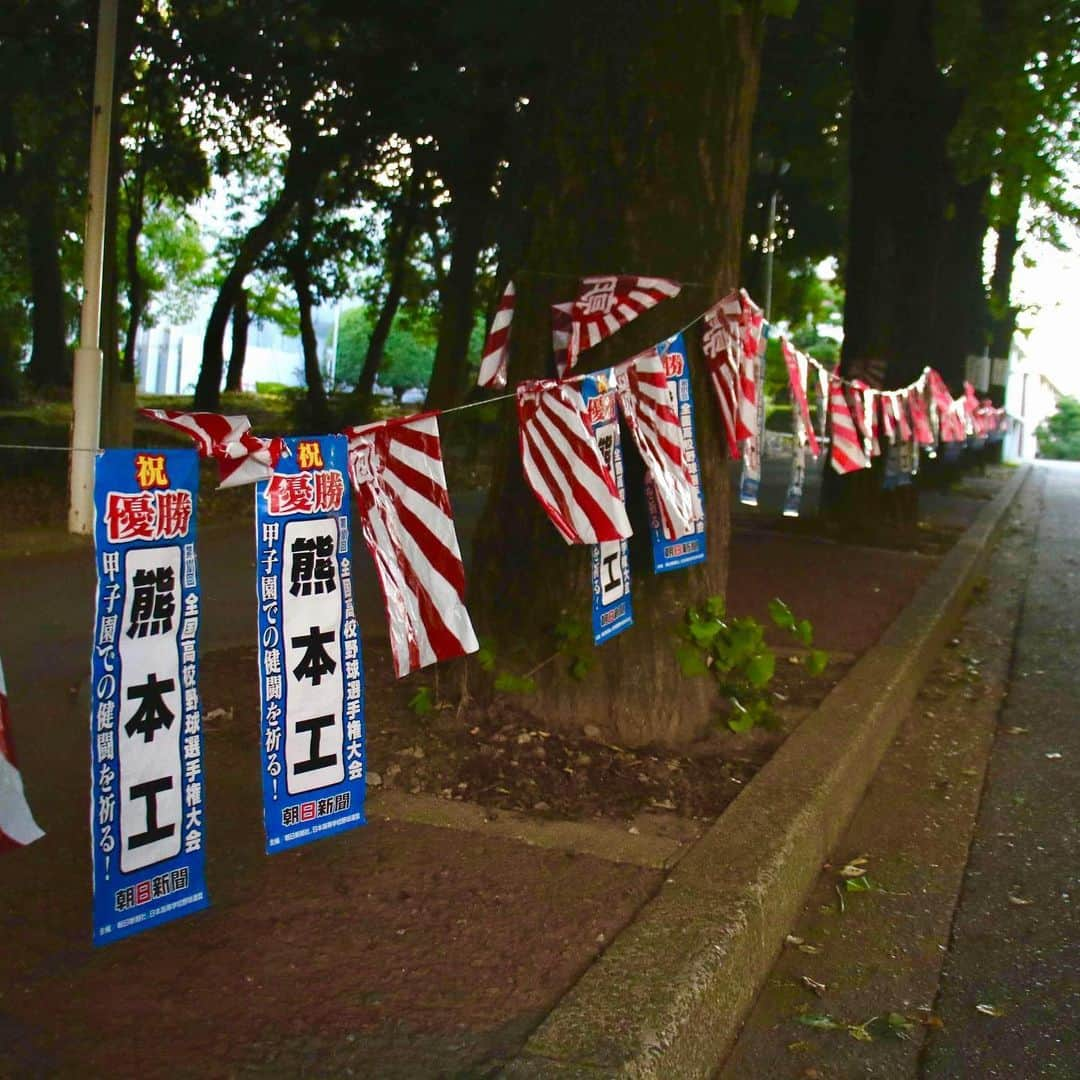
[[900, 177], [50, 358], [638, 164], [1003, 312], [241, 321], [300, 275], [258, 238], [402, 228], [136, 287], [960, 313], [457, 301]]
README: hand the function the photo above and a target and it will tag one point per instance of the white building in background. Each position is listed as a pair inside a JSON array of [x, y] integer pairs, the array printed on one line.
[[168, 358], [1030, 397]]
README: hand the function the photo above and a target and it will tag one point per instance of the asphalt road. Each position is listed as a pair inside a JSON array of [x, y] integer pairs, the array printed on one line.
[[1015, 946]]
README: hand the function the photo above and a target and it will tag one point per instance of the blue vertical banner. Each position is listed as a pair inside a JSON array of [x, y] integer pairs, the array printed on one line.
[[754, 447], [797, 481], [690, 549], [893, 467], [146, 813], [612, 609], [310, 665]]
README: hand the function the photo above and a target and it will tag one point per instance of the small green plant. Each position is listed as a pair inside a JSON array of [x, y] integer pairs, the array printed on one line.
[[734, 652], [573, 643], [423, 701]]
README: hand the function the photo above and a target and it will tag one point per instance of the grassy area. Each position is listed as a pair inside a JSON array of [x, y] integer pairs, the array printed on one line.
[[33, 483]]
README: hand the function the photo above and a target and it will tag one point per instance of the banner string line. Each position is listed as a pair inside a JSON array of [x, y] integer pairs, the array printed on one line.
[[55, 449], [917, 384]]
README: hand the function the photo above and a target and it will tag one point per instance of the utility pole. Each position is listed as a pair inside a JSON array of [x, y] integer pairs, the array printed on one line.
[[86, 388]]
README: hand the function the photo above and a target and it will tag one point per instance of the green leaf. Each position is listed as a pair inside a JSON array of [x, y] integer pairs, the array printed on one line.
[[746, 637], [781, 614], [899, 1025], [580, 667], [705, 632], [691, 662], [760, 669], [804, 631], [817, 661], [507, 683], [423, 701], [858, 884], [715, 606], [485, 655], [861, 1032], [822, 1023], [741, 722], [569, 632]]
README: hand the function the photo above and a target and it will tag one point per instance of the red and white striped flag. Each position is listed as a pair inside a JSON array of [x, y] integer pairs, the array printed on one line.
[[606, 303], [946, 408], [563, 466], [751, 323], [797, 368], [657, 432], [721, 344], [971, 404], [242, 457], [900, 414], [397, 474], [862, 398], [846, 452], [497, 345], [823, 398], [561, 325], [888, 420], [919, 420], [17, 825]]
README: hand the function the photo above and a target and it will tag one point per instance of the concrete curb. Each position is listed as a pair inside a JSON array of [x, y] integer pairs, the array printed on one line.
[[669, 995]]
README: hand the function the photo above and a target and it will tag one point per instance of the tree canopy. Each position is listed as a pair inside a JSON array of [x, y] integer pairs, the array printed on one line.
[[1059, 435]]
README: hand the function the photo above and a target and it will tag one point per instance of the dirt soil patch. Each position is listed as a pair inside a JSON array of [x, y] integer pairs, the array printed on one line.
[[503, 757]]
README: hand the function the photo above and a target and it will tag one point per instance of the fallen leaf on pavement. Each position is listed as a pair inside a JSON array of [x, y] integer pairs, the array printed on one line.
[[1020, 901], [989, 1010], [822, 1023]]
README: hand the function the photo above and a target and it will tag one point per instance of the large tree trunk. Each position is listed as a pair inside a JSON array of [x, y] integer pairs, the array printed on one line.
[[960, 314], [401, 230], [638, 164], [900, 179], [241, 321], [472, 203], [137, 297], [300, 275], [50, 359], [1003, 312], [258, 238]]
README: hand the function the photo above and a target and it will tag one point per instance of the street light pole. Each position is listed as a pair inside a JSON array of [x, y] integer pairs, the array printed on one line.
[[86, 388], [770, 243], [780, 168]]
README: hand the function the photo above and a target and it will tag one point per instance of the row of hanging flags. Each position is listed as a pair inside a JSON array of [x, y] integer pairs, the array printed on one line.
[[147, 805]]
